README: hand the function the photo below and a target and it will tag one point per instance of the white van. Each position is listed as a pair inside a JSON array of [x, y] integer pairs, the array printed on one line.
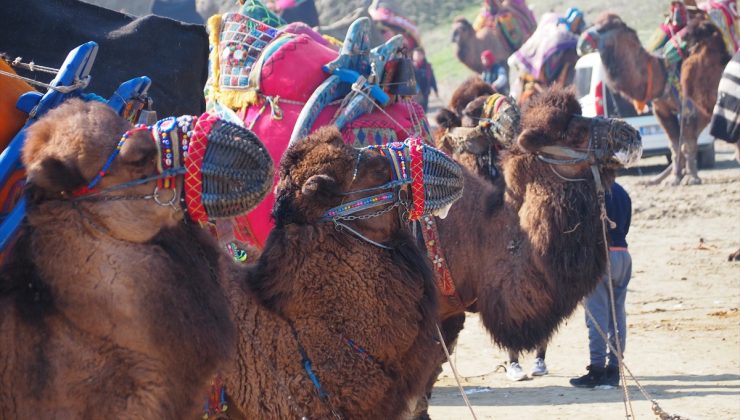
[[597, 100]]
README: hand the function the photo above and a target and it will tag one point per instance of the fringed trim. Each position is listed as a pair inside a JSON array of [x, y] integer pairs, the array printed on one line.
[[214, 29]]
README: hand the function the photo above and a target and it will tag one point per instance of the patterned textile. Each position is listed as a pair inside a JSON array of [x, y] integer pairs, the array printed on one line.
[[516, 22], [273, 97], [725, 123], [724, 15], [256, 10], [541, 56]]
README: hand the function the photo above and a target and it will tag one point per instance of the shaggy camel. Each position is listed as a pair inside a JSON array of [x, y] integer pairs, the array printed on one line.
[[470, 43], [637, 74], [366, 337], [97, 317], [362, 315], [546, 250]]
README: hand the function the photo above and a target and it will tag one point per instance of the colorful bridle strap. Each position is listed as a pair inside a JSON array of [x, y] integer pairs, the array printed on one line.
[[407, 167], [172, 138], [90, 187]]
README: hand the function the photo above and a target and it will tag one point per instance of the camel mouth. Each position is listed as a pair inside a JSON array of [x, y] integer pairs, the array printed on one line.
[[588, 42], [212, 168], [626, 143], [435, 180], [614, 141]]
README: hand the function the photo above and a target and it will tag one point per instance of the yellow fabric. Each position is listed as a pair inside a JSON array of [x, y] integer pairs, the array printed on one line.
[[333, 41], [234, 99], [11, 119]]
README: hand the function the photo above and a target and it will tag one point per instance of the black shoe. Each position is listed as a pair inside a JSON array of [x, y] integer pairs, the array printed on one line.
[[611, 377], [595, 376]]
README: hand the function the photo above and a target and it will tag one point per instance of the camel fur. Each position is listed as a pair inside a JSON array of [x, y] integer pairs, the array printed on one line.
[[528, 262], [317, 287]]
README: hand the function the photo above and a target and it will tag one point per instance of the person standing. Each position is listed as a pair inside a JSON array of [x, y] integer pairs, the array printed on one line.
[[424, 74], [495, 74], [604, 368], [515, 372]]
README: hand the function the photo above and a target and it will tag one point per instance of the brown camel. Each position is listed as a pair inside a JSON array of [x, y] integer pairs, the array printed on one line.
[[98, 319], [363, 316], [541, 251], [637, 74], [470, 43]]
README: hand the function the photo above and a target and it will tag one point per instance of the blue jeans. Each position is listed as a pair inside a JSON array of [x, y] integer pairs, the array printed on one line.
[[599, 304]]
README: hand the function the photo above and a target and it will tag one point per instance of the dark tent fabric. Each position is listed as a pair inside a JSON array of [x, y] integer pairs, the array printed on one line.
[[183, 10], [173, 54]]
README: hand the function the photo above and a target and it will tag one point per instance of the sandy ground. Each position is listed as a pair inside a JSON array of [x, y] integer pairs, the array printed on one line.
[[683, 306]]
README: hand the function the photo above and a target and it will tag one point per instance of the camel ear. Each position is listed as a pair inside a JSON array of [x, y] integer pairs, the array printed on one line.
[[138, 150], [52, 177], [319, 185], [532, 140], [447, 118]]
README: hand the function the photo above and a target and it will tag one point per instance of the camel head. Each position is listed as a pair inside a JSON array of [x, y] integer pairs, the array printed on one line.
[[555, 131], [489, 124], [608, 32], [66, 149], [450, 117], [128, 183], [466, 44], [324, 180]]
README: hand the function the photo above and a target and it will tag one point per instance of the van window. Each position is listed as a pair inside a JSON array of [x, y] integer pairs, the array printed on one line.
[[582, 80]]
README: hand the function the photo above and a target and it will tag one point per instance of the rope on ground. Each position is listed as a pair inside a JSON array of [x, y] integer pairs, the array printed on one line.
[[629, 412], [454, 371]]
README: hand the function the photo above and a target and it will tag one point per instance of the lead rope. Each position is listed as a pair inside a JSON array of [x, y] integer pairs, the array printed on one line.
[[629, 411], [454, 371]]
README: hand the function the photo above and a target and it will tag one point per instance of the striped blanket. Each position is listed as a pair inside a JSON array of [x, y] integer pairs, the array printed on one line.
[[725, 122]]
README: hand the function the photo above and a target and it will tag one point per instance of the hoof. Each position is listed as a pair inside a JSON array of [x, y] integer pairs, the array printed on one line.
[[691, 180], [672, 181]]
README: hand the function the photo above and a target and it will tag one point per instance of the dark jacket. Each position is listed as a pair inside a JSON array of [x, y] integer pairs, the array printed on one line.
[[619, 210], [425, 78]]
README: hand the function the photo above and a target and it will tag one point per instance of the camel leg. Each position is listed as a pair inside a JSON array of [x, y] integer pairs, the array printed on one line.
[[668, 119], [689, 148], [450, 328]]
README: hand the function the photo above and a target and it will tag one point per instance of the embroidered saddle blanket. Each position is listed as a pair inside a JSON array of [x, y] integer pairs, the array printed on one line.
[[542, 54], [515, 21], [271, 76]]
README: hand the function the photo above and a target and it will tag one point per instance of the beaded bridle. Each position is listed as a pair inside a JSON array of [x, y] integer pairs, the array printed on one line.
[[172, 138], [406, 168]]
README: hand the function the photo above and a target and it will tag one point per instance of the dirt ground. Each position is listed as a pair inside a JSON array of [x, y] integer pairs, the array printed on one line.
[[683, 306]]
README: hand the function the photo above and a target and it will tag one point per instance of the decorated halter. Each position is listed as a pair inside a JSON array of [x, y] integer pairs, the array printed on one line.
[[606, 136], [220, 169], [435, 182]]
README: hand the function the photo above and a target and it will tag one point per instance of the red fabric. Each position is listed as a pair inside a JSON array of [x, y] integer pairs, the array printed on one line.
[[488, 56], [417, 177], [193, 165]]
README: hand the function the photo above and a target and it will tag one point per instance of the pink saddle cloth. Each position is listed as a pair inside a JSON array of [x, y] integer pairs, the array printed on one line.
[[278, 83]]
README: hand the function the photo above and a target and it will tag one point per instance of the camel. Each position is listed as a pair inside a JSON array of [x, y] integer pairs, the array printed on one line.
[[682, 110], [363, 316], [97, 317], [470, 43], [287, 335], [548, 224]]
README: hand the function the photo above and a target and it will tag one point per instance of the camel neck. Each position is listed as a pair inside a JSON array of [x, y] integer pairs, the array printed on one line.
[[634, 72]]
